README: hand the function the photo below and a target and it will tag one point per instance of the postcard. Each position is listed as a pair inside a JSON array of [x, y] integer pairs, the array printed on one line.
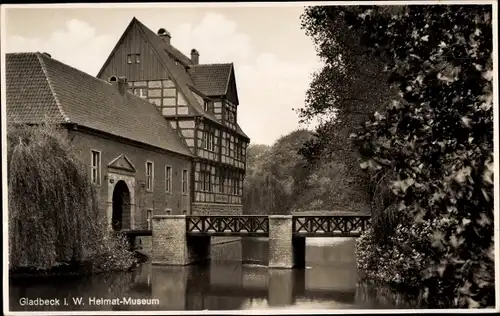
[[250, 158]]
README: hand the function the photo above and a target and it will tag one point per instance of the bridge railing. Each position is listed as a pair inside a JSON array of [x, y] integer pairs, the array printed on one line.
[[223, 225], [330, 226], [258, 225]]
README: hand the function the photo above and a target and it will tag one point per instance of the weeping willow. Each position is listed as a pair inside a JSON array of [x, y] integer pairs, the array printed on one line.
[[53, 208]]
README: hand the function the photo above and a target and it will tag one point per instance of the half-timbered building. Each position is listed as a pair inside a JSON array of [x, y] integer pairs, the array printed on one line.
[[200, 101]]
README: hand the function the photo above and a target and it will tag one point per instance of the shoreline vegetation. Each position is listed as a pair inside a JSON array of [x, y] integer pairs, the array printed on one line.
[[415, 125], [407, 137], [55, 227]]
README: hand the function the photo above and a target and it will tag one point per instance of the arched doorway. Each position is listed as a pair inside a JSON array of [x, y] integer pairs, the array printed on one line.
[[121, 206]]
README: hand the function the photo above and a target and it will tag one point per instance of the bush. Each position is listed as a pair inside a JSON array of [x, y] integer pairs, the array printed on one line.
[[113, 254], [400, 263], [53, 207]]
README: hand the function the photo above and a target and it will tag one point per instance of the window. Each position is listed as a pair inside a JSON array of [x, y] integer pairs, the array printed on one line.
[[149, 176], [168, 179], [237, 186], [206, 183], [149, 215], [96, 167], [205, 140], [221, 182], [141, 92], [133, 58], [228, 143], [207, 106], [185, 174], [232, 188], [209, 140]]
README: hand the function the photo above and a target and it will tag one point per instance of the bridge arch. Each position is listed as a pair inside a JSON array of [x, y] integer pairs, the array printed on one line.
[[121, 204]]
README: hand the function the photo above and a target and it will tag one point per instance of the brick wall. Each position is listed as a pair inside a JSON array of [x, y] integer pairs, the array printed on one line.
[[216, 209], [157, 200]]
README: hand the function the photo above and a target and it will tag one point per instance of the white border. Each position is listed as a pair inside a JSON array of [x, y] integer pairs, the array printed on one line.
[[496, 149], [253, 4], [235, 4]]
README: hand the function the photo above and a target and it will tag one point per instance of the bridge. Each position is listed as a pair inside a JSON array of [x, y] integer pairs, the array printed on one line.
[[186, 239]]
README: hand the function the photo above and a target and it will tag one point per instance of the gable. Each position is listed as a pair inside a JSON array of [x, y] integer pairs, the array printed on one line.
[[156, 76], [133, 42], [122, 163]]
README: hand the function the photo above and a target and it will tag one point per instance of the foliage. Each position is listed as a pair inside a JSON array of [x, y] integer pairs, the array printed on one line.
[[438, 142], [276, 176], [113, 254], [53, 207], [344, 93]]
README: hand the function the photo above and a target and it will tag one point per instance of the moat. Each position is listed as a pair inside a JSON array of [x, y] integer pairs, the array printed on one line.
[[237, 278]]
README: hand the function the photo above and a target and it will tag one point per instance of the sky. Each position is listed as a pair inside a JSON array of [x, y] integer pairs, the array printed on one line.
[[273, 58]]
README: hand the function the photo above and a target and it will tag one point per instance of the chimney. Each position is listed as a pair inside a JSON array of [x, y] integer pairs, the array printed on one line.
[[120, 83], [164, 35], [195, 57]]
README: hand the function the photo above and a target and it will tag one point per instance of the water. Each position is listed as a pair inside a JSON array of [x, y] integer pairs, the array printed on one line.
[[237, 278]]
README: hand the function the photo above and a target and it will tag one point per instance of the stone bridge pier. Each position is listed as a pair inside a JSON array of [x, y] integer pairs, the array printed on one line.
[[285, 250], [172, 245]]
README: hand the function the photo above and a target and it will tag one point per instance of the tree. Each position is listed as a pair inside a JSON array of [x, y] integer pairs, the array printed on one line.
[[349, 88], [54, 217], [438, 139], [276, 176]]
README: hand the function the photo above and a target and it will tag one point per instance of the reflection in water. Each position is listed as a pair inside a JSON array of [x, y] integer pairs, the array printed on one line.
[[237, 278]]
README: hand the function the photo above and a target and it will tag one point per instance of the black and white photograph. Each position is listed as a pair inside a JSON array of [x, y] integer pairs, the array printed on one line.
[[250, 157]]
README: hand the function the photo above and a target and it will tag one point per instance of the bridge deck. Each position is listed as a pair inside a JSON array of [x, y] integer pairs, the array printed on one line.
[[258, 226]]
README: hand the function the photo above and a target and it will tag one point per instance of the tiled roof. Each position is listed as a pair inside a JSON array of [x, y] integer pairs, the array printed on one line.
[[211, 79], [240, 131], [42, 89]]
